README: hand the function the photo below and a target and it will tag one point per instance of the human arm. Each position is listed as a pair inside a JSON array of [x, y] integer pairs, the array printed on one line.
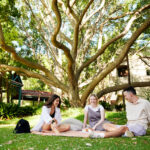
[[45, 115], [54, 126], [58, 116], [85, 118], [102, 114], [147, 110]]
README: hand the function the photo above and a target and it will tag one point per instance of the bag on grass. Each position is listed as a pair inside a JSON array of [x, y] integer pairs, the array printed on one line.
[[22, 126]]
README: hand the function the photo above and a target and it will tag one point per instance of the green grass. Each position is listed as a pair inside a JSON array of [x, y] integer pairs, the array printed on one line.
[[10, 141]]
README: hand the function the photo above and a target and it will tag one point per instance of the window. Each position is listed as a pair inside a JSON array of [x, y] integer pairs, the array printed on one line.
[[122, 71], [148, 72]]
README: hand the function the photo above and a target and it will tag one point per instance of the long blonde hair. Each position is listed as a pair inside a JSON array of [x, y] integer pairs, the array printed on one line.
[[94, 95]]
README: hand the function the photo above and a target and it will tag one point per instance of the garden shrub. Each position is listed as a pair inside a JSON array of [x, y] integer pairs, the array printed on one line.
[[106, 105], [119, 107], [110, 107], [8, 111], [65, 103]]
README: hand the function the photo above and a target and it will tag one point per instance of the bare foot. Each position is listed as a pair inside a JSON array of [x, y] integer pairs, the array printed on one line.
[[54, 128], [46, 131]]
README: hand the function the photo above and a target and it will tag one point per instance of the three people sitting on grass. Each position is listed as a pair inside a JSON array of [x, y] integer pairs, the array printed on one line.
[[137, 109]]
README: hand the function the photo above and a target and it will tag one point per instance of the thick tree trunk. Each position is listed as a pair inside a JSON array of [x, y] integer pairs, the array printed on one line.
[[1, 89], [8, 92], [74, 98]]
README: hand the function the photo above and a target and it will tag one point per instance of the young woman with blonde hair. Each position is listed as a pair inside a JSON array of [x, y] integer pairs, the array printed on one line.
[[95, 114]]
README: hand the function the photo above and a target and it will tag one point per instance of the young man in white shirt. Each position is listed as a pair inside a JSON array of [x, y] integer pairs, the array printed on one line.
[[138, 118]]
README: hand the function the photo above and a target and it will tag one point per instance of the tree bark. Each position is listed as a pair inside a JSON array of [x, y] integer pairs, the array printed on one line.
[[1, 100], [121, 87], [8, 91], [74, 97]]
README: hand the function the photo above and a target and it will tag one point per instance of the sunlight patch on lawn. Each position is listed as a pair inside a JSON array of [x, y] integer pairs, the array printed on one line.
[[72, 112]]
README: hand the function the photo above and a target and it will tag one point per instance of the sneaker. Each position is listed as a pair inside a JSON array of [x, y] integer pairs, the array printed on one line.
[[128, 134], [96, 135]]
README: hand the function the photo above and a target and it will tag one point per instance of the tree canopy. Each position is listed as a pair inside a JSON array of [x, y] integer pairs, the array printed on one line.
[[72, 45]]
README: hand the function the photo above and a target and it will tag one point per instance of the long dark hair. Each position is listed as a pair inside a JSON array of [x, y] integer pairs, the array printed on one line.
[[51, 100]]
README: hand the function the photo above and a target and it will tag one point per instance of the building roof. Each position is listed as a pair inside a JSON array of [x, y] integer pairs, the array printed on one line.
[[36, 93]]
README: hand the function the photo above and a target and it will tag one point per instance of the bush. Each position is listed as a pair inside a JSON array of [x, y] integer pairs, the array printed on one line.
[[106, 105], [119, 107], [8, 111], [110, 107], [65, 103]]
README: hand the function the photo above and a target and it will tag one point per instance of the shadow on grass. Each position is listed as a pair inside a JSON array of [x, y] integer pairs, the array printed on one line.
[[80, 117], [115, 117]]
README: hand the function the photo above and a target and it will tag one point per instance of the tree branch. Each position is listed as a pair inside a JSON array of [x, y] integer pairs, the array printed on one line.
[[61, 46], [71, 11], [28, 73], [57, 29], [62, 35], [96, 11], [2, 40], [121, 87], [24, 61], [67, 12], [144, 61], [43, 33], [117, 61], [101, 51], [76, 30]]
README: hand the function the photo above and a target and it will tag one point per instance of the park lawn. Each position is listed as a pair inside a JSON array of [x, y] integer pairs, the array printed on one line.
[[10, 141]]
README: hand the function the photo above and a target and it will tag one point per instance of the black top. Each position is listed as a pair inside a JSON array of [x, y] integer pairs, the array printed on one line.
[[52, 115]]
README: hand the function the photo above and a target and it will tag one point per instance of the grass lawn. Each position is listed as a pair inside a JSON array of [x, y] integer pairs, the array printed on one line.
[[10, 141]]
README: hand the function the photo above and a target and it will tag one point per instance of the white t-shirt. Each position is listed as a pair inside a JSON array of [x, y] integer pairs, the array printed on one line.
[[138, 113], [94, 108]]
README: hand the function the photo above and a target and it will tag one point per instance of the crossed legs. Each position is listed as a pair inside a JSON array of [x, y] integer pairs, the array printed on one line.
[[112, 130], [116, 132], [56, 129]]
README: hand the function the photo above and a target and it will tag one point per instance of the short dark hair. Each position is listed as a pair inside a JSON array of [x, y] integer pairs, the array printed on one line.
[[51, 99], [130, 89]]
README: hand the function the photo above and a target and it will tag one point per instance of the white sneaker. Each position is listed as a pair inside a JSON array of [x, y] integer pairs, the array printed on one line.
[[128, 134], [96, 135]]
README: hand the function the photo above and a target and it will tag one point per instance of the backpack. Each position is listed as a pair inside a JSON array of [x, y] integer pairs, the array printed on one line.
[[22, 126]]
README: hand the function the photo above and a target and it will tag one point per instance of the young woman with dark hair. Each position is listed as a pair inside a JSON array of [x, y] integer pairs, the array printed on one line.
[[51, 117]]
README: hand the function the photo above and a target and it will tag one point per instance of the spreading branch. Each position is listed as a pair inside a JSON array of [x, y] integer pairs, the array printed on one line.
[[117, 61], [60, 45], [121, 87], [18, 58], [76, 30], [92, 14], [145, 62], [28, 73], [71, 11], [103, 48]]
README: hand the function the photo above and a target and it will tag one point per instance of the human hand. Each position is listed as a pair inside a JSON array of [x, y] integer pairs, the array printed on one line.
[[54, 121], [84, 126], [94, 128], [87, 130], [54, 128]]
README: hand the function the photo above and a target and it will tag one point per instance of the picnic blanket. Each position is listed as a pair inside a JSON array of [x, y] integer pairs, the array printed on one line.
[[68, 134]]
